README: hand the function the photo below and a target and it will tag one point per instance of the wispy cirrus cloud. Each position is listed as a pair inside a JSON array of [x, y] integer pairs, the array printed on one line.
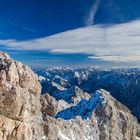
[[23, 27], [118, 43], [92, 13]]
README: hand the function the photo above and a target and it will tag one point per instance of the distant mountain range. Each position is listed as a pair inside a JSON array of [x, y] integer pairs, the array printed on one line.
[[123, 84]]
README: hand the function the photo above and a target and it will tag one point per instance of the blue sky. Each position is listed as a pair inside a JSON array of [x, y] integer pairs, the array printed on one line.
[[25, 22]]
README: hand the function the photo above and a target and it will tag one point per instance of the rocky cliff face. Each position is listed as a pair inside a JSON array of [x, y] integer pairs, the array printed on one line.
[[100, 117], [19, 101], [68, 113]]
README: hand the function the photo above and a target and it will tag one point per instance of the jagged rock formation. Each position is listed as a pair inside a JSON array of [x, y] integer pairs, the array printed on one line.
[[99, 118], [123, 84], [71, 95], [110, 118], [19, 101], [50, 106], [68, 113]]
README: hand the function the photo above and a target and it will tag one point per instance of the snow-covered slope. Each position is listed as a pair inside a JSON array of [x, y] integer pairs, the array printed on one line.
[[87, 113], [84, 108], [123, 84], [100, 117]]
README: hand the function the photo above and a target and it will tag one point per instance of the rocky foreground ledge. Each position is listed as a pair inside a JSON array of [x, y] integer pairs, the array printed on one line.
[[25, 114]]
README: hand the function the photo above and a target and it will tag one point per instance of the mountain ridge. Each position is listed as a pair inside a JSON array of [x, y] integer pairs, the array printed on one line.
[[26, 114], [123, 84]]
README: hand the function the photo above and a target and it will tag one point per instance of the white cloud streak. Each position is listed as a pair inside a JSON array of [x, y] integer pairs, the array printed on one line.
[[23, 27], [119, 43], [92, 13]]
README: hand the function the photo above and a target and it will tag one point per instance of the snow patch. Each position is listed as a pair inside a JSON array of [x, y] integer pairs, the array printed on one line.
[[84, 108], [62, 136], [137, 138]]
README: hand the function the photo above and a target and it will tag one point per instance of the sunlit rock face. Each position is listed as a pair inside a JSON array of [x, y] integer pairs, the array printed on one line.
[[94, 114], [19, 101], [20, 90], [100, 117]]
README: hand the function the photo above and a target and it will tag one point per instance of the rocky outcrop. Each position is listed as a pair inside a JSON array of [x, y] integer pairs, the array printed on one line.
[[75, 129], [99, 118], [20, 90], [50, 106], [114, 120]]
